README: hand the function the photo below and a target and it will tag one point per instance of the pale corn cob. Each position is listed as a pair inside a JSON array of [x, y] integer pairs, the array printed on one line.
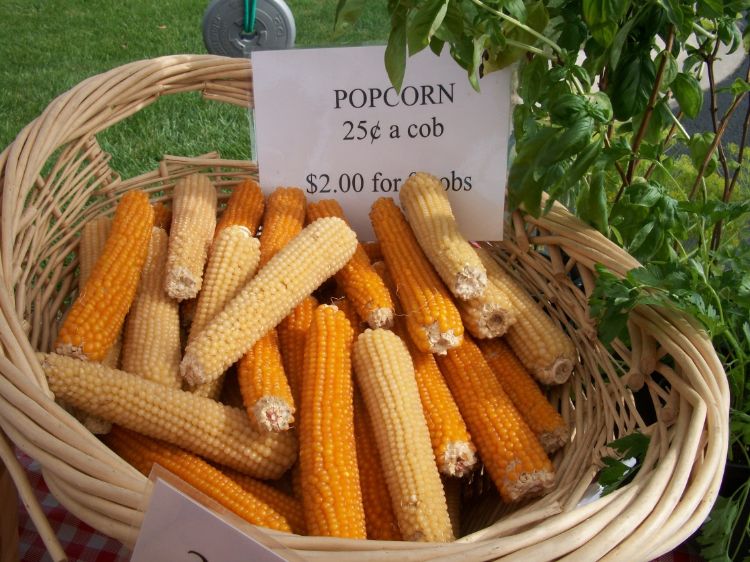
[[197, 424], [232, 262], [244, 208], [357, 279], [96, 317], [546, 423], [386, 378], [488, 316], [510, 451], [452, 487], [541, 345], [249, 503], [332, 497], [454, 452], [151, 343], [430, 216], [313, 256], [292, 332], [433, 320], [191, 232]]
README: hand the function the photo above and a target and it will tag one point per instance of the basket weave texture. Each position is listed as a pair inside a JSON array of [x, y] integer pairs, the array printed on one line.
[[668, 357]]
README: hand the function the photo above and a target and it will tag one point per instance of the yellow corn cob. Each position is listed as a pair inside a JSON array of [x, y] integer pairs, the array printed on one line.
[[373, 251], [162, 216], [289, 507], [284, 219], [143, 452], [244, 208], [430, 216], [93, 238], [97, 315], [357, 279], [292, 333], [509, 449], [541, 345], [346, 306], [232, 262], [332, 498], [488, 316], [379, 517], [313, 256], [386, 378], [191, 232], [265, 390], [200, 425], [452, 487], [455, 454], [433, 320], [151, 343], [546, 423]]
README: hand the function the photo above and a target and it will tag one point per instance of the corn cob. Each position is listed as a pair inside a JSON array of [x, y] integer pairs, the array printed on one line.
[[452, 487], [292, 333], [143, 452], [541, 345], [284, 219], [93, 238], [290, 508], [151, 344], [200, 425], [488, 316], [509, 449], [332, 498], [346, 306], [373, 251], [454, 452], [264, 387], [430, 216], [386, 378], [546, 423], [357, 280], [244, 208], [433, 320], [313, 256], [97, 315], [191, 231], [162, 216], [232, 262], [379, 517], [187, 313]]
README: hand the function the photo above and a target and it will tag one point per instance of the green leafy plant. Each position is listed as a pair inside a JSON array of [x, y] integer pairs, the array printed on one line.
[[603, 93]]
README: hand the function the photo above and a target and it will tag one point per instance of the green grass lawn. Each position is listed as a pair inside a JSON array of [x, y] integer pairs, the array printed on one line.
[[48, 46]]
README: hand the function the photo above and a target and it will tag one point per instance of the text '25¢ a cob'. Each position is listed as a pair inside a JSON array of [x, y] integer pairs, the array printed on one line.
[[316, 254]]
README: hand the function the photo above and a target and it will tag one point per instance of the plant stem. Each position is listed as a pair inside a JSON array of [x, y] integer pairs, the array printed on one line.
[[529, 48], [703, 31], [523, 26], [649, 108]]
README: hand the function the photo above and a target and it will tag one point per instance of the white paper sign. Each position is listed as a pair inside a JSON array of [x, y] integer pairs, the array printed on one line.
[[178, 528], [328, 121]]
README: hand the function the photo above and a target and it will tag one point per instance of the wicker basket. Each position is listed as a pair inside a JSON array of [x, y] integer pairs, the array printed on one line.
[[554, 257]]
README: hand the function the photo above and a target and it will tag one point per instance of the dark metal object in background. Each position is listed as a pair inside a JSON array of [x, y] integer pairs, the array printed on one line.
[[223, 33]]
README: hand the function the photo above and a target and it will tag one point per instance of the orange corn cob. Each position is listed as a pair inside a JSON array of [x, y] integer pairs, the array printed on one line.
[[162, 216], [143, 452], [428, 209], [292, 333], [509, 449], [346, 306], [244, 208], [541, 345], [200, 425], [97, 315], [379, 517], [190, 234], [433, 320], [543, 419], [332, 498], [284, 219], [385, 377], [357, 279], [313, 256], [455, 454], [151, 343], [373, 251], [290, 508]]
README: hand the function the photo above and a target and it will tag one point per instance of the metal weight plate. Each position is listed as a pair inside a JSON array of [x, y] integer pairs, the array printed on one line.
[[223, 33]]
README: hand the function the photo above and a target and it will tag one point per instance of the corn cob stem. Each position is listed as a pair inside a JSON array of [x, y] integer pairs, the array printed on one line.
[[200, 425], [332, 498], [431, 218], [313, 256], [386, 378], [433, 321], [191, 232]]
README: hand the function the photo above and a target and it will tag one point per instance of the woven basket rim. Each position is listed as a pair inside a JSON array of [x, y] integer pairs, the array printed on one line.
[[663, 505]]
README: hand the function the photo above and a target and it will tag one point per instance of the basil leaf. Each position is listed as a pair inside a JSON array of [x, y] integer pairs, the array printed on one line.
[[699, 145], [687, 91], [603, 18], [427, 18], [631, 84], [347, 14], [395, 51], [567, 109], [591, 205]]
